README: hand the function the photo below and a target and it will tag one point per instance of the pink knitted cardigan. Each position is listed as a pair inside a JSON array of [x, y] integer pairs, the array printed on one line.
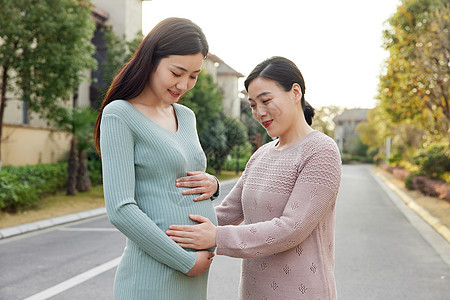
[[286, 199]]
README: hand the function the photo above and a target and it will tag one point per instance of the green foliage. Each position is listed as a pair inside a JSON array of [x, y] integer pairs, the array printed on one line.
[[409, 178], [434, 162], [416, 81], [222, 137], [94, 166], [374, 131], [204, 100], [214, 143], [230, 165], [323, 119], [218, 134], [119, 51], [45, 47], [77, 121], [23, 187]]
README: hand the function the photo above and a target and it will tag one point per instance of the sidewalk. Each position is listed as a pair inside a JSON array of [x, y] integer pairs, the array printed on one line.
[[38, 225]]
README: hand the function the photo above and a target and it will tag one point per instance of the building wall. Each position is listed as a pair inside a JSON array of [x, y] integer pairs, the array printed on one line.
[[344, 132], [228, 84], [231, 102], [27, 145], [125, 16], [210, 68]]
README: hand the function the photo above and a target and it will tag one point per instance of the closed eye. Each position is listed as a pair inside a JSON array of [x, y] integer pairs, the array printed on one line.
[[175, 74]]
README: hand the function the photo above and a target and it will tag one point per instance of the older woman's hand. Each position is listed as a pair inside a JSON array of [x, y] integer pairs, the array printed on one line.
[[199, 183], [200, 236]]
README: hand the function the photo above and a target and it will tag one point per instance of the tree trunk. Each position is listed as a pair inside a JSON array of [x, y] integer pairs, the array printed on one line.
[[72, 169], [83, 180], [2, 103]]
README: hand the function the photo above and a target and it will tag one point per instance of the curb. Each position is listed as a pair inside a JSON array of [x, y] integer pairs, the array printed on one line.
[[47, 223], [38, 225], [434, 222]]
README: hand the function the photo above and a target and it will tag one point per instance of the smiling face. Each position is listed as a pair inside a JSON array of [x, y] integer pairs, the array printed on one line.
[[174, 76], [274, 108]]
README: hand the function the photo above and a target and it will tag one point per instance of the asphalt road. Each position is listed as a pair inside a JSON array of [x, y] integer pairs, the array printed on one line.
[[382, 252]]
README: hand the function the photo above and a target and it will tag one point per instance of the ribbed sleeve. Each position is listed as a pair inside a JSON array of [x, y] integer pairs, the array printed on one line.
[[117, 148], [141, 162]]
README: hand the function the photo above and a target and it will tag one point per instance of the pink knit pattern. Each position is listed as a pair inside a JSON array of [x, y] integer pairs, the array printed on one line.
[[286, 201]]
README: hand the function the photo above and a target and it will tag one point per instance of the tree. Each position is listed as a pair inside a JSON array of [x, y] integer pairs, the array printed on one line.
[[415, 85], [214, 143], [374, 131], [44, 47], [221, 137], [218, 134], [79, 123], [119, 51], [205, 100], [323, 119]]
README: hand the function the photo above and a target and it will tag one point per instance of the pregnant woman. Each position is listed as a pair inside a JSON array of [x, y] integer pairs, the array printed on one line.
[[147, 141]]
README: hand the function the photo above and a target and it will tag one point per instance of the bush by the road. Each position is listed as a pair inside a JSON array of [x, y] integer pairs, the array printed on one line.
[[23, 187]]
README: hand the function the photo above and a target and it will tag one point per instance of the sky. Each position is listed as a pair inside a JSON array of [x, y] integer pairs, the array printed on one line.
[[337, 45]]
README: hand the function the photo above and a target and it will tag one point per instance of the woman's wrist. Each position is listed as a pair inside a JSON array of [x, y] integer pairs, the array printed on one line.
[[216, 194]]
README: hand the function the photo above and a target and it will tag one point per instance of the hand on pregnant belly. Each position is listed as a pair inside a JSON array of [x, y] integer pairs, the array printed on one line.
[[198, 183], [204, 260], [200, 236]]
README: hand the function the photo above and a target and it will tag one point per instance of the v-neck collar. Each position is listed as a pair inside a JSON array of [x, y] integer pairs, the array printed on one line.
[[177, 119]]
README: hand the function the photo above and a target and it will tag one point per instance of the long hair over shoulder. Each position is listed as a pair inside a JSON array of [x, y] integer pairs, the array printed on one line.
[[171, 36]]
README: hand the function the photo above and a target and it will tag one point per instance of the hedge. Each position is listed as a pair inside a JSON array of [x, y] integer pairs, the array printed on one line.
[[23, 187]]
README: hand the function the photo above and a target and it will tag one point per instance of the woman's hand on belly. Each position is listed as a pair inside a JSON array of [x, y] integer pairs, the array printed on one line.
[[200, 236], [198, 183], [204, 260]]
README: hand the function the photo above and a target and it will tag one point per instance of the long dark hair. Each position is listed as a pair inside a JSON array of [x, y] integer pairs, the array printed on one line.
[[285, 73], [172, 36]]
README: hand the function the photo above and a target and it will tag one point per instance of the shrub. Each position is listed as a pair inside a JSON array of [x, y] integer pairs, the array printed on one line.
[[400, 173], [434, 162], [230, 165], [431, 187], [409, 180], [23, 187], [94, 167]]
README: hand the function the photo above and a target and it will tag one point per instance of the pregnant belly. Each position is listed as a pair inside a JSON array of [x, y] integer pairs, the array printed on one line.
[[176, 210]]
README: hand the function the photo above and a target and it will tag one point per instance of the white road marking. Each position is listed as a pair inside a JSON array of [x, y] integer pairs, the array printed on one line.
[[87, 229], [65, 285]]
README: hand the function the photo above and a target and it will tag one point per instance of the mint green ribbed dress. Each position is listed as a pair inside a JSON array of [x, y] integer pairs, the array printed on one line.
[[141, 162]]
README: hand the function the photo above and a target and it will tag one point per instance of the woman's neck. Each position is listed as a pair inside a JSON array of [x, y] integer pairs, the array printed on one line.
[[294, 134]]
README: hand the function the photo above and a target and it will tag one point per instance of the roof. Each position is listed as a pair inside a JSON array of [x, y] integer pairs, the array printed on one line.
[[223, 68], [356, 114], [99, 15]]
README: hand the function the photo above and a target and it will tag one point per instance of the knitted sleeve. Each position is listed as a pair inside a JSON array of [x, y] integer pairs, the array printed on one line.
[[117, 149], [229, 212], [313, 195]]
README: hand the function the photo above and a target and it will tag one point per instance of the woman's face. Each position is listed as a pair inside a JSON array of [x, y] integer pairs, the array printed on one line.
[[174, 76], [273, 107]]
